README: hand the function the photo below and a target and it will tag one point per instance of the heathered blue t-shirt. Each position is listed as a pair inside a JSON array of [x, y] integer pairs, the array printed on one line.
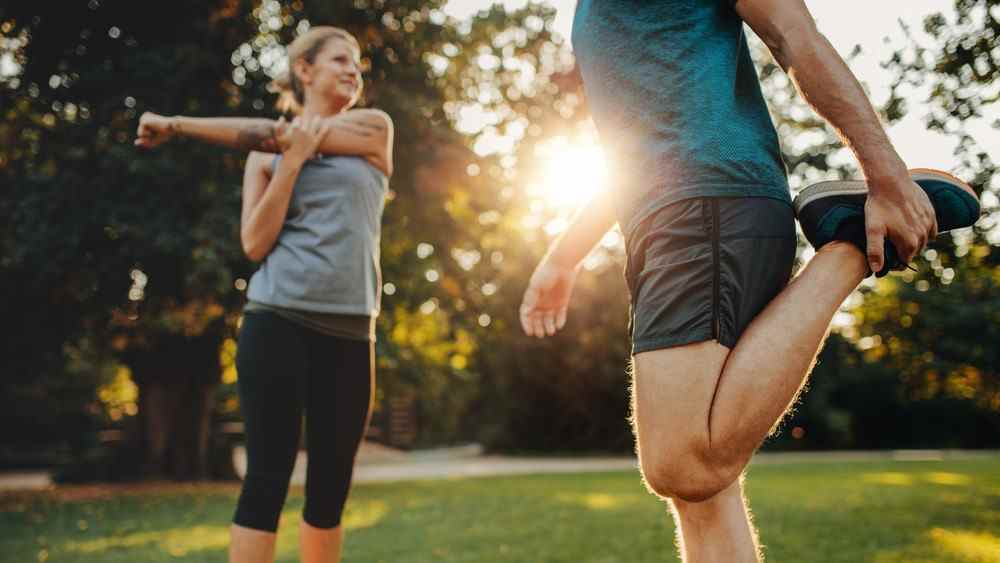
[[677, 103]]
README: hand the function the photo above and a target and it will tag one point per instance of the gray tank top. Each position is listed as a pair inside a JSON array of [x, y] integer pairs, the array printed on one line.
[[326, 258]]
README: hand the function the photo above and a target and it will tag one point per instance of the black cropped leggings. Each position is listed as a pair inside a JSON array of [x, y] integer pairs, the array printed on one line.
[[284, 369]]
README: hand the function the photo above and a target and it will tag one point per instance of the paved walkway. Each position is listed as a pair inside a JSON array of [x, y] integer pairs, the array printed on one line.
[[379, 464], [486, 465], [434, 467]]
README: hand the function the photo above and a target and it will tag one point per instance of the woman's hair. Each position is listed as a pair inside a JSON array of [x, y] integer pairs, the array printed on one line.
[[306, 46]]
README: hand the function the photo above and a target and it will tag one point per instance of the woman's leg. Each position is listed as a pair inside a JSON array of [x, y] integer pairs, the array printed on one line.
[[272, 364], [247, 545], [338, 405], [320, 545]]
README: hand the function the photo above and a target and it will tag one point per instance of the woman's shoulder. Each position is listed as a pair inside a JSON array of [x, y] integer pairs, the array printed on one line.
[[378, 122], [373, 116]]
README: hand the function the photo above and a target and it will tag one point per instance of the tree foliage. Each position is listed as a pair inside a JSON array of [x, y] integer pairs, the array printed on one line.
[[124, 267]]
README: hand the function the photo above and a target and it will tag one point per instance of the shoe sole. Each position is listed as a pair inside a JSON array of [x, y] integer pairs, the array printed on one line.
[[856, 187]]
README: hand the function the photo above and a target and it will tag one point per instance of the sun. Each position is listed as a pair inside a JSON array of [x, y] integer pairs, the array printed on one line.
[[574, 171]]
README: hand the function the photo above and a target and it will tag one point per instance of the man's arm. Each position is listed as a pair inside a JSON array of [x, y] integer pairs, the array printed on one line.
[[587, 228], [546, 300], [896, 207]]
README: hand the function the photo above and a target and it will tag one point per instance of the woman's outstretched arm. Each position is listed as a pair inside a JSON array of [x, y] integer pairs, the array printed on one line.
[[243, 133], [362, 132]]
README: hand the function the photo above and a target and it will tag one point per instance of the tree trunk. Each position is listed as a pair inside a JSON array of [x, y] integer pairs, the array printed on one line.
[[189, 450], [177, 380]]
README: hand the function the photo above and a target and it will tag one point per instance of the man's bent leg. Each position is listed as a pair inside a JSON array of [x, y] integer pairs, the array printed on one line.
[[701, 410], [696, 429], [770, 362]]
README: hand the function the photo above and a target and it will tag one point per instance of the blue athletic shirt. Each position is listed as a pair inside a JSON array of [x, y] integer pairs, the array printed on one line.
[[677, 103]]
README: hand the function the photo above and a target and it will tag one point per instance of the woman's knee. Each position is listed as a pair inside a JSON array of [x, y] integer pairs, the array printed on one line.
[[261, 499], [326, 495]]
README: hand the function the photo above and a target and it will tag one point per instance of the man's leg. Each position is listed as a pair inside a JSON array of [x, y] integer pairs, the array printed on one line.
[[770, 362], [718, 529], [672, 397], [701, 410]]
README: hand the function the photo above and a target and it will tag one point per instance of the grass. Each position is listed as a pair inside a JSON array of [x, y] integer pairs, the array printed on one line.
[[883, 512]]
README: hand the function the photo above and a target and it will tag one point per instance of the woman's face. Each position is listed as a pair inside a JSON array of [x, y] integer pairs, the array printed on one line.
[[335, 73]]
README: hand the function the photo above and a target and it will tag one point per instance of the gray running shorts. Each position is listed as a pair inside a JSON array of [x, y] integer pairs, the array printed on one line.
[[702, 269]]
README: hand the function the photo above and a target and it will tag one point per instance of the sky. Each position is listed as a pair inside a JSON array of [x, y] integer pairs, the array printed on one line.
[[846, 23]]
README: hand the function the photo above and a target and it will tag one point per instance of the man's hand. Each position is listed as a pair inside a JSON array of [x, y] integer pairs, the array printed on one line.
[[543, 309], [154, 130], [898, 209]]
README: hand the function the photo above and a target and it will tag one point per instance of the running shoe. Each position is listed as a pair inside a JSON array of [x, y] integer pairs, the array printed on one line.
[[835, 210]]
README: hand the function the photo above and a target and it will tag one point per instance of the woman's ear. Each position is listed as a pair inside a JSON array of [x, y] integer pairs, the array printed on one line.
[[303, 71]]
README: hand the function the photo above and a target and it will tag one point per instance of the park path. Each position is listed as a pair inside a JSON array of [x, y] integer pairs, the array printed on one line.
[[453, 463], [378, 464]]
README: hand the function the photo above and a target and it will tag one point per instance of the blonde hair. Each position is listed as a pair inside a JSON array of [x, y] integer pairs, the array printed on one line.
[[291, 95]]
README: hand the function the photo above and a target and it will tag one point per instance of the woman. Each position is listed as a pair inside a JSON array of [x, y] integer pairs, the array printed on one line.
[[306, 342]]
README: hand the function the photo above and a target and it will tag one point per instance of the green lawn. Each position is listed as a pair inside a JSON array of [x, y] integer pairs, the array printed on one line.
[[852, 511]]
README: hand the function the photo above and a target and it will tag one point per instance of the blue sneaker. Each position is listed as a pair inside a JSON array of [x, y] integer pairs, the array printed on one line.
[[835, 210]]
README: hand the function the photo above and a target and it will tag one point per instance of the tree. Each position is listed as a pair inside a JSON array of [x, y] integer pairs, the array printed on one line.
[[936, 328], [106, 245]]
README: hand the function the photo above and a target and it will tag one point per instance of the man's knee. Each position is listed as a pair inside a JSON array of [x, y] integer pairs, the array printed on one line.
[[686, 476]]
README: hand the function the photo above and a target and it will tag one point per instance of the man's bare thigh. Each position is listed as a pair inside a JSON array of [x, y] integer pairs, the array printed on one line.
[[672, 392]]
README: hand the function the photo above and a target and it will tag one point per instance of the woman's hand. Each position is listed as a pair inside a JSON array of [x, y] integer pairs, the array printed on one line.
[[154, 130], [301, 137]]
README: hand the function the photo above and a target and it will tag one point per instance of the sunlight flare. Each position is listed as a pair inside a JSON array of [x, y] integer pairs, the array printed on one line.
[[574, 171]]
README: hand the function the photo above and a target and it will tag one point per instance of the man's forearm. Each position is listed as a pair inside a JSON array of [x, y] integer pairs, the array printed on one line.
[[827, 84], [587, 228], [243, 133]]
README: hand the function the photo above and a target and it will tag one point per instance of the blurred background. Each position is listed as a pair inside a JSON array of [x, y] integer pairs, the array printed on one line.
[[122, 279]]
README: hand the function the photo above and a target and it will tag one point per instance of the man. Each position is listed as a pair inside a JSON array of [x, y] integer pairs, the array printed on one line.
[[722, 341]]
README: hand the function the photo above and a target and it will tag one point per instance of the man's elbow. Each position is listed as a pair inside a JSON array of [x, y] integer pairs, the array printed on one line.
[[789, 41]]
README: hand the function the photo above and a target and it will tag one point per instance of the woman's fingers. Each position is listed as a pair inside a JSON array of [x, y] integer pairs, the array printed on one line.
[[146, 134]]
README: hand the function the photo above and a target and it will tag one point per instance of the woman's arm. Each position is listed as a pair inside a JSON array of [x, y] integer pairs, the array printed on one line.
[[266, 192], [368, 128], [244, 133], [364, 132]]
